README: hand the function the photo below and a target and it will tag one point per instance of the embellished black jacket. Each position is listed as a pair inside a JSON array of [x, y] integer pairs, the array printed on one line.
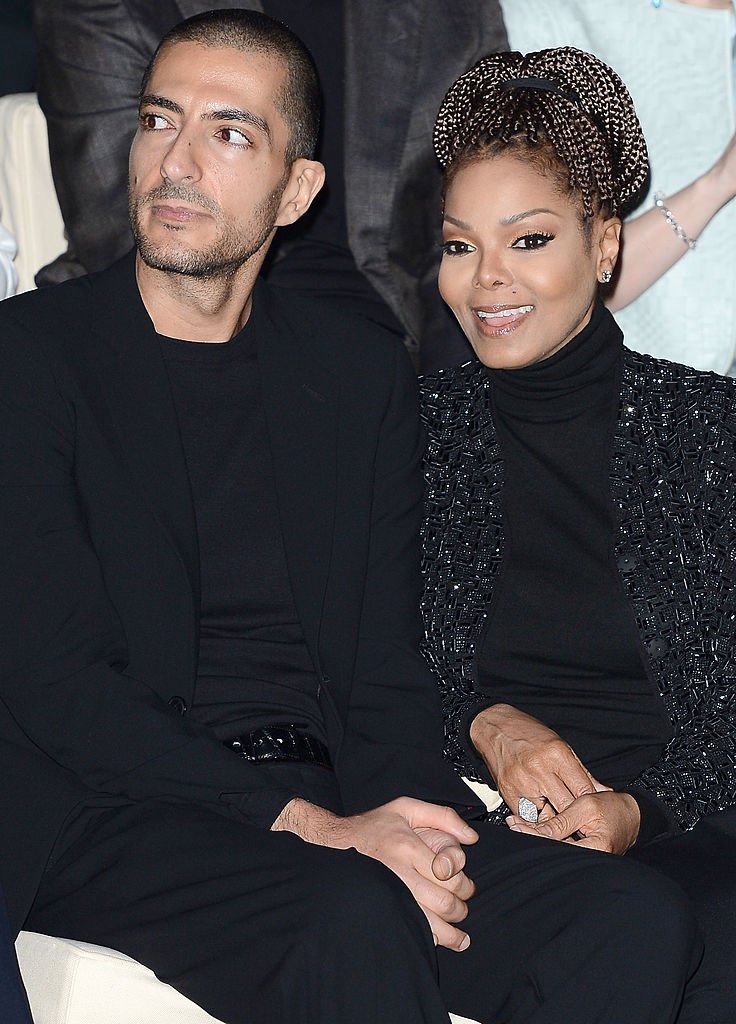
[[673, 489]]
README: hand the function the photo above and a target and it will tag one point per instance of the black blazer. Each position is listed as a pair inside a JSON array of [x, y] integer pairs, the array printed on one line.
[[99, 561]]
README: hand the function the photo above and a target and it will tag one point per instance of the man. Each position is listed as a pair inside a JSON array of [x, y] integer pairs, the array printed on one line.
[[220, 747], [373, 237]]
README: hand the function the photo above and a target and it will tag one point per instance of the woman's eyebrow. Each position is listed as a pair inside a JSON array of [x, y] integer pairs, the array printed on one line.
[[516, 217], [458, 223]]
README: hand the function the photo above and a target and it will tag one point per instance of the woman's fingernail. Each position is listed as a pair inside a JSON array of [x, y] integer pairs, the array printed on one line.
[[446, 867], [464, 944]]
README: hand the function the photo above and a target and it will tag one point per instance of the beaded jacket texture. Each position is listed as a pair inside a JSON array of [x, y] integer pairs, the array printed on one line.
[[673, 490]]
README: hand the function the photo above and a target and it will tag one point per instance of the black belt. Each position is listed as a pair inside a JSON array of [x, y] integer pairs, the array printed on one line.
[[280, 743]]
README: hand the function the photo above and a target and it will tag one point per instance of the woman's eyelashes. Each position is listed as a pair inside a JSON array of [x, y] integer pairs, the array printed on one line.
[[530, 241], [455, 248]]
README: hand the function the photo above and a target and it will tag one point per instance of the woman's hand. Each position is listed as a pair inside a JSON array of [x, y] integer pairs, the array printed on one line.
[[527, 759], [599, 821]]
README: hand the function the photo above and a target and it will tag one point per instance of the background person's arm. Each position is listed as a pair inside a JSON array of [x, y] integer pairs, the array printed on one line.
[[651, 245]]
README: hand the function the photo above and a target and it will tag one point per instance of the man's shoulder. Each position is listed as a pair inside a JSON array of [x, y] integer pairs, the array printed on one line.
[[54, 309], [46, 305]]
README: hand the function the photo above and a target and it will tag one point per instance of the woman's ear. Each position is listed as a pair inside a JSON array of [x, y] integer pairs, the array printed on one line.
[[608, 246], [305, 180]]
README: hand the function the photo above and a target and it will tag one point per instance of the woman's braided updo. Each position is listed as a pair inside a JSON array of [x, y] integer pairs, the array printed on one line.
[[564, 104]]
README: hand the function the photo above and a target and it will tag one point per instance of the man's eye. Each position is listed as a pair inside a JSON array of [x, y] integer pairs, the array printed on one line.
[[455, 248], [234, 137], [534, 240], [153, 122]]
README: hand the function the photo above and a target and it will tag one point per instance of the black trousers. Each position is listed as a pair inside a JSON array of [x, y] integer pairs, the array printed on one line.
[[260, 928], [703, 863]]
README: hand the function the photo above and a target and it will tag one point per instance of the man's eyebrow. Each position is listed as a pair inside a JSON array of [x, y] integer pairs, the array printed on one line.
[[220, 114], [152, 100], [244, 116], [516, 217]]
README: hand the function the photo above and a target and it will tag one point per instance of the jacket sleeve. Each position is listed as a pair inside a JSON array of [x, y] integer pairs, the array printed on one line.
[[696, 774], [64, 666], [393, 735]]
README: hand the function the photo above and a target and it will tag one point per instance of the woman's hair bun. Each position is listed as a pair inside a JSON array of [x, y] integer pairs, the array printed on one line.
[[564, 97]]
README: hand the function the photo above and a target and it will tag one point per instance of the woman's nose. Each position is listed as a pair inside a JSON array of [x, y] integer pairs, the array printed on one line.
[[492, 270]]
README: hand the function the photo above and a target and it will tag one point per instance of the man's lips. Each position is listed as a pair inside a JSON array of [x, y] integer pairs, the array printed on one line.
[[494, 320], [177, 214]]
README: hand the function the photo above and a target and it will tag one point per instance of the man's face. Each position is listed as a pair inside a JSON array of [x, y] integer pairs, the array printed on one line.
[[207, 169]]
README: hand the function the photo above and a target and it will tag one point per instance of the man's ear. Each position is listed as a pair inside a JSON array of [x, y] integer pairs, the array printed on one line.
[[609, 244], [306, 178]]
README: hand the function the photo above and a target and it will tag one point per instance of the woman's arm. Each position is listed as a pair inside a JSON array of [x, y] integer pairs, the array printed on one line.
[[651, 246]]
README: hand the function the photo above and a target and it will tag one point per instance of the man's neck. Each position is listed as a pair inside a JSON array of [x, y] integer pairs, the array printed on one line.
[[197, 309]]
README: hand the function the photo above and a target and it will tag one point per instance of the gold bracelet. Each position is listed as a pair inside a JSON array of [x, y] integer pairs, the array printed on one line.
[[674, 224]]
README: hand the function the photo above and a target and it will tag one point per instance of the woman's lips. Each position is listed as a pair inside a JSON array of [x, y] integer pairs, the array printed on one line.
[[495, 320]]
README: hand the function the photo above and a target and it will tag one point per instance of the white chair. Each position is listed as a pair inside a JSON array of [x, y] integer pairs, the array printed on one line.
[[72, 982], [28, 205]]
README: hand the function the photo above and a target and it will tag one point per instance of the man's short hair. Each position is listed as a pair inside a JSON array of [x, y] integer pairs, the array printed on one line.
[[252, 32]]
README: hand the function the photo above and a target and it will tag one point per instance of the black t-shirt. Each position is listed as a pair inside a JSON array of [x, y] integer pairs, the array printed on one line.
[[254, 667]]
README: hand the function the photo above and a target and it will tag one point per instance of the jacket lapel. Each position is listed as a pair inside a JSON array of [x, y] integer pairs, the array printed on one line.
[[135, 384], [300, 399]]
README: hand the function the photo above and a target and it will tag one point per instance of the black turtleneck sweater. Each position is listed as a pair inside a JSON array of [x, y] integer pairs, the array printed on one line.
[[561, 642]]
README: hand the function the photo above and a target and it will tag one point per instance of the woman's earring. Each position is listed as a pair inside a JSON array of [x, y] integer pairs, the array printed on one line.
[[606, 276]]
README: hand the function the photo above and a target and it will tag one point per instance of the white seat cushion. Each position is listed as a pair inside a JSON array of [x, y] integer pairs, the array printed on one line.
[[70, 982]]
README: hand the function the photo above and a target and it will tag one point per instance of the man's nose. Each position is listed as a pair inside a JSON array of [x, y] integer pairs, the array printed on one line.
[[180, 162]]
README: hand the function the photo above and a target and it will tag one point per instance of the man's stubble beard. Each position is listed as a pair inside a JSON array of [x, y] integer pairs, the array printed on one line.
[[229, 251]]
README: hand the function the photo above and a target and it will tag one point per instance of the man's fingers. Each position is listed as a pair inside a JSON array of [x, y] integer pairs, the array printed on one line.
[[440, 900], [420, 814], [445, 934], [449, 856]]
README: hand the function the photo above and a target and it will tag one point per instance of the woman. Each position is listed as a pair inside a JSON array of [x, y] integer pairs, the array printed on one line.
[[580, 539]]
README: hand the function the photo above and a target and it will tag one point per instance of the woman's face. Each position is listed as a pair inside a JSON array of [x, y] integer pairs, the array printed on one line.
[[518, 270]]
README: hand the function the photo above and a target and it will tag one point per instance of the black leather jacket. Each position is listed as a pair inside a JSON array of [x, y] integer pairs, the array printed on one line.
[[673, 487]]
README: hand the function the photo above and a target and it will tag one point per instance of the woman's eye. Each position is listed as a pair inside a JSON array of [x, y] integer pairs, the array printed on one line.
[[153, 122], [455, 248], [234, 137], [534, 240]]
